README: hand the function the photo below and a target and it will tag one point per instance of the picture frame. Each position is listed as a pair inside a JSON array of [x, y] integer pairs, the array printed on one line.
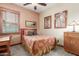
[[60, 19], [31, 24], [47, 22]]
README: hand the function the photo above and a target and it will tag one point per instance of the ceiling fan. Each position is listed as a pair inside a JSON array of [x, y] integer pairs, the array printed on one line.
[[35, 7]]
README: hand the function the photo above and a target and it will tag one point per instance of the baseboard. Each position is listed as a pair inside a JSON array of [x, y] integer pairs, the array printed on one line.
[[15, 44], [60, 45]]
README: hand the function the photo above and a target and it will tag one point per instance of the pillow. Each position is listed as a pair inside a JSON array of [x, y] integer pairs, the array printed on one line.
[[30, 33]]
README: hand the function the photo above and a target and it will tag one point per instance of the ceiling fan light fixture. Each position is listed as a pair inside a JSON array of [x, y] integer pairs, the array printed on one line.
[[36, 4], [35, 7]]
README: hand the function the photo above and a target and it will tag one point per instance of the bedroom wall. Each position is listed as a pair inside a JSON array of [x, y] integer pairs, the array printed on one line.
[[73, 14], [25, 14]]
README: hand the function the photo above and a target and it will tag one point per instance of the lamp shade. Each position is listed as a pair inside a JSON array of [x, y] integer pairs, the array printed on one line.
[[74, 23]]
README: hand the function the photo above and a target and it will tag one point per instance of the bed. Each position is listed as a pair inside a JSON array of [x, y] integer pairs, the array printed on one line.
[[38, 44]]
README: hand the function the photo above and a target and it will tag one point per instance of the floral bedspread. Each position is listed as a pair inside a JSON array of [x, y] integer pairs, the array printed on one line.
[[39, 45]]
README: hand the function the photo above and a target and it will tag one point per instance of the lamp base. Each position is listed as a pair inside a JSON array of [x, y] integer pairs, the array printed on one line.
[[73, 31]]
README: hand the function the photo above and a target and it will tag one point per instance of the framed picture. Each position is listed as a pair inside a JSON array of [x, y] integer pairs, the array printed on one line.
[[60, 19], [30, 24], [47, 22]]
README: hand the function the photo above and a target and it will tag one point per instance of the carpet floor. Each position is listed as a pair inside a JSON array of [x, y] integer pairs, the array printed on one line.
[[18, 50]]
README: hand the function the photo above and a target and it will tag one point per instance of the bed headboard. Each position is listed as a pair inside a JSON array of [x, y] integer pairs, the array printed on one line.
[[22, 31], [22, 34], [28, 32]]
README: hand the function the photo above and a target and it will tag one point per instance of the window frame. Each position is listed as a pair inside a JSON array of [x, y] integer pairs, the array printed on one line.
[[11, 11]]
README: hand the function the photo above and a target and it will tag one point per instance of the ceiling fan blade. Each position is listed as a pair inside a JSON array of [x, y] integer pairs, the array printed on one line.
[[26, 4], [43, 4]]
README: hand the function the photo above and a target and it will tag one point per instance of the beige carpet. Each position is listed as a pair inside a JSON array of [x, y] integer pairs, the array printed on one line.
[[19, 51]]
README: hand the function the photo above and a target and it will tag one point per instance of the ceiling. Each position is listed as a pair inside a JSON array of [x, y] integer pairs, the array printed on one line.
[[39, 7]]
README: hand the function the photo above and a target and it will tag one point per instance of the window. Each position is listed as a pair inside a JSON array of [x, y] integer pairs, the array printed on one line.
[[10, 22]]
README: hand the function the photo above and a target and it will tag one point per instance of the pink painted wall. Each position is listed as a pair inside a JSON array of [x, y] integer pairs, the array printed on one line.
[[25, 14]]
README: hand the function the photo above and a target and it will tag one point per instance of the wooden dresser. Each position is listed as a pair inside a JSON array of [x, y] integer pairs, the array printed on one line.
[[71, 42]]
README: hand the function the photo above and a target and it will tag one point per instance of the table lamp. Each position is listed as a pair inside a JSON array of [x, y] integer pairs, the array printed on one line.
[[74, 23]]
